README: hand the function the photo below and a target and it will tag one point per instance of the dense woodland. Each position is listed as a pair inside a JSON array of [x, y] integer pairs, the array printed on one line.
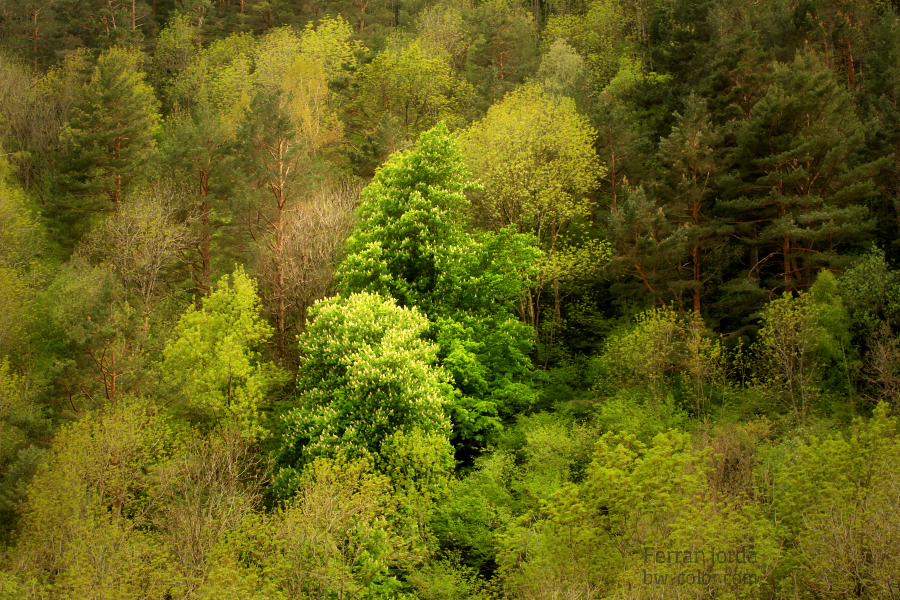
[[449, 299]]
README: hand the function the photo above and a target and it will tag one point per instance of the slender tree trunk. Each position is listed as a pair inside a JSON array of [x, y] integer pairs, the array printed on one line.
[[204, 235], [695, 255], [34, 40], [786, 262], [695, 251], [612, 175], [278, 249]]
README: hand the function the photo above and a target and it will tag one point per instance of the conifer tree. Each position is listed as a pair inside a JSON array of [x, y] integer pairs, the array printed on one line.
[[109, 138], [694, 166], [801, 177]]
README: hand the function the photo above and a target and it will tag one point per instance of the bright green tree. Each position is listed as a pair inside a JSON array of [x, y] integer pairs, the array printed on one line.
[[411, 243], [214, 359], [534, 156], [366, 374]]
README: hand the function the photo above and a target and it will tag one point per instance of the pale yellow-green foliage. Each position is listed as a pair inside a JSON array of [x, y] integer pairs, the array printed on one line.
[[218, 77], [204, 492], [588, 539], [414, 89], [300, 65], [663, 344], [603, 36], [331, 43], [214, 358], [143, 238], [800, 337], [420, 466], [837, 503], [228, 83], [570, 263], [534, 156], [273, 55], [335, 537], [442, 32], [20, 245], [83, 526], [563, 71]]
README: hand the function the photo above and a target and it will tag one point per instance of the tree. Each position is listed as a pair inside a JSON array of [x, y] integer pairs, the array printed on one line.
[[33, 23], [103, 24], [604, 35], [802, 175], [210, 90], [109, 137], [33, 111], [85, 527], [534, 156], [315, 232], [694, 167], [143, 240], [563, 72], [290, 124], [275, 160], [804, 342], [96, 337], [638, 232], [504, 49], [410, 243], [214, 362], [206, 490], [401, 93], [335, 536], [366, 374], [197, 148], [589, 540], [836, 501], [21, 242], [24, 425]]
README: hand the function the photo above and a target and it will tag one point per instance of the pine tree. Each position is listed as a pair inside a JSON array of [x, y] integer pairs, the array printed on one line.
[[693, 165], [109, 137], [802, 181], [275, 161], [30, 25], [638, 232]]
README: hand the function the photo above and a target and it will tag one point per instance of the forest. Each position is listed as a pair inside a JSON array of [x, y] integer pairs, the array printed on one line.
[[449, 299]]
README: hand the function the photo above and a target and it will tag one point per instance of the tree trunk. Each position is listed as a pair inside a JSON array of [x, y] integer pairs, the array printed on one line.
[[695, 254], [204, 236], [34, 50]]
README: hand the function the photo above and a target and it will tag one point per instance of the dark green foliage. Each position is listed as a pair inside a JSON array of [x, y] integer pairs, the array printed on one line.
[[804, 186], [108, 141]]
